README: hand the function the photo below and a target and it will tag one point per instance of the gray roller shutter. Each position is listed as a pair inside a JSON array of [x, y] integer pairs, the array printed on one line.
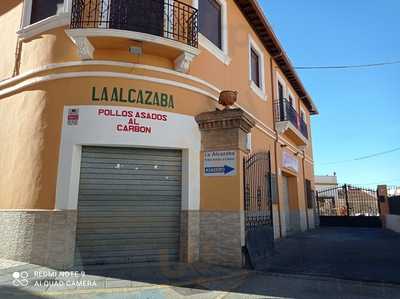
[[129, 205]]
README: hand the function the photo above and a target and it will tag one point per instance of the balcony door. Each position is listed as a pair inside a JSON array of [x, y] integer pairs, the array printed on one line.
[[281, 99], [146, 16]]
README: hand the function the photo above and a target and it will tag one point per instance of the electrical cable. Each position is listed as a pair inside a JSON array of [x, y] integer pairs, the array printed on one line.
[[375, 183], [364, 157], [347, 66]]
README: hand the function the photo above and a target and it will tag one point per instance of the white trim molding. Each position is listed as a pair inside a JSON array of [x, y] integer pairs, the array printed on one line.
[[214, 50], [279, 79], [28, 30], [258, 90], [97, 74], [85, 47], [52, 22], [283, 126], [140, 36], [56, 66], [305, 115], [86, 132], [182, 63], [188, 52], [212, 93], [221, 54], [290, 95]]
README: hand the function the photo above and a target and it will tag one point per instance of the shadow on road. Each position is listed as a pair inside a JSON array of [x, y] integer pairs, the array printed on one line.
[[361, 254], [307, 265]]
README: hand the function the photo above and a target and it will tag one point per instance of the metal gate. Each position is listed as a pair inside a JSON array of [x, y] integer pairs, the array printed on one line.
[[348, 206], [258, 208], [129, 206]]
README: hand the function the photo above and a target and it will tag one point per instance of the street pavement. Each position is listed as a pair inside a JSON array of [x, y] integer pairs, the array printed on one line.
[[360, 254], [179, 281], [325, 263], [247, 285]]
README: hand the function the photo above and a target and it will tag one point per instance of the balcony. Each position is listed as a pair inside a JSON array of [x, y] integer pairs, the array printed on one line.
[[289, 122], [165, 23]]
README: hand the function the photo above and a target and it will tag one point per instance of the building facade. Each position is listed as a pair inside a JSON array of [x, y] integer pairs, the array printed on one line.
[[325, 182], [111, 121]]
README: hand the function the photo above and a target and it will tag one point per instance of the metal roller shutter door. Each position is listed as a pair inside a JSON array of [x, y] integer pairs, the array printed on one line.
[[129, 205]]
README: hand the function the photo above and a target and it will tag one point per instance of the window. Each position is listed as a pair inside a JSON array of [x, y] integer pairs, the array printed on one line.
[[291, 101], [213, 27], [255, 68], [309, 194], [42, 9], [281, 93], [210, 21], [43, 15], [303, 115]]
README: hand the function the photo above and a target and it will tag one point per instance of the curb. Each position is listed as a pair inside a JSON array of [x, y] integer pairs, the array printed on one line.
[[139, 288]]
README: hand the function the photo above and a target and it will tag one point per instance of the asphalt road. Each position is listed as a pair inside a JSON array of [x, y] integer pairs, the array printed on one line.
[[252, 285], [360, 254], [325, 263]]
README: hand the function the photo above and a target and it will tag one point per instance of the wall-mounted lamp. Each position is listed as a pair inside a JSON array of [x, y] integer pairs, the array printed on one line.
[[137, 51]]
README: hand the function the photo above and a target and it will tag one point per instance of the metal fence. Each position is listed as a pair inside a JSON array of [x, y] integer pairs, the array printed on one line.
[[347, 201], [171, 19], [284, 111], [258, 190], [394, 200]]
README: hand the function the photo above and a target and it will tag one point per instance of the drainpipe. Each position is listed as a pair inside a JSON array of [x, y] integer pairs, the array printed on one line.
[[276, 147], [18, 47], [17, 60], [304, 185]]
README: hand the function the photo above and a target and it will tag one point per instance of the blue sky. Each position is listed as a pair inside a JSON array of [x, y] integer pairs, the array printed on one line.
[[360, 108]]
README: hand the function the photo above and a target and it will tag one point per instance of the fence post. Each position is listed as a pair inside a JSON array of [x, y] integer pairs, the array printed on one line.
[[383, 203], [346, 196]]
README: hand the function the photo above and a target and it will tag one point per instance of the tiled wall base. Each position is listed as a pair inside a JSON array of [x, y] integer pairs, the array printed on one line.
[[39, 237]]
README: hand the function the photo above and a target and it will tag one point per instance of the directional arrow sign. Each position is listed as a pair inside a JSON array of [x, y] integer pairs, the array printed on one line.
[[220, 163], [226, 169]]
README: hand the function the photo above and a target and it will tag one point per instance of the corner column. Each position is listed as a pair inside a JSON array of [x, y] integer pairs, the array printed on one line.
[[224, 144]]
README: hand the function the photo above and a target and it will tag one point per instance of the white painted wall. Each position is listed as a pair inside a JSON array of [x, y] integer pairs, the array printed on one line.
[[393, 223], [284, 206], [311, 218], [275, 218], [323, 182], [178, 132]]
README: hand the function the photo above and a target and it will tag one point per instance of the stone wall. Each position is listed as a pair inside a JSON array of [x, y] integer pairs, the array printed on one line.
[[311, 219], [190, 236], [42, 237], [221, 236]]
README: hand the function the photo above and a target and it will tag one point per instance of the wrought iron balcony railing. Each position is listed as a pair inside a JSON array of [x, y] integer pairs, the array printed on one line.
[[284, 111], [170, 19]]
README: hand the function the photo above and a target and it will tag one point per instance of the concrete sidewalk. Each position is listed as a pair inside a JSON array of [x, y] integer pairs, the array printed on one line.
[[21, 280], [182, 281]]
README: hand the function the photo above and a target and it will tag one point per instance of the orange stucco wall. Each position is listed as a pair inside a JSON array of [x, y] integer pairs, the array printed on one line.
[[31, 116], [10, 18]]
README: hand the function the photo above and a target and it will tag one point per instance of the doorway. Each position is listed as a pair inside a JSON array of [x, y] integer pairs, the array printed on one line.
[[290, 205]]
